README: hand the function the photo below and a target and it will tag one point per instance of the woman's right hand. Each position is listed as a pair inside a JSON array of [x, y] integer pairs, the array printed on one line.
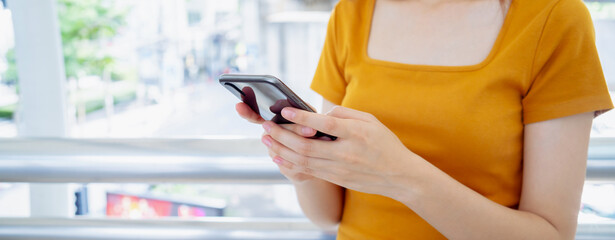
[[286, 168]]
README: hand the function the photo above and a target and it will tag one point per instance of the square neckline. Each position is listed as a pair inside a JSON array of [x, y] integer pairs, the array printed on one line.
[[434, 68]]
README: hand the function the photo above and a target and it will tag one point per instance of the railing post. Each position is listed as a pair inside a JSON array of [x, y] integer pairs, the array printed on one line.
[[42, 98]]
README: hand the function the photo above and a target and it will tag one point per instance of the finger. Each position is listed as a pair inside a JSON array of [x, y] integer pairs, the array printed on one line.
[[299, 129], [326, 124], [306, 164], [270, 152], [348, 113], [246, 112], [280, 162], [301, 145], [293, 172], [288, 169]]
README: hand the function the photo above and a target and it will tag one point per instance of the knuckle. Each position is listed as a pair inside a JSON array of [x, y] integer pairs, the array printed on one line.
[[274, 131], [329, 125], [349, 158], [369, 115], [305, 147], [274, 147], [307, 170], [357, 130], [289, 165], [334, 110], [303, 161], [296, 129], [339, 155], [362, 134]]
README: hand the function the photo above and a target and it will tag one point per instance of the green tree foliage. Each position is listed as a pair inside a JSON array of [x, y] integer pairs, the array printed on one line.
[[86, 26]]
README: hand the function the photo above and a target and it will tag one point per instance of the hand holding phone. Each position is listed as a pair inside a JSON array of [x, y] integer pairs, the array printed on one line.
[[266, 96]]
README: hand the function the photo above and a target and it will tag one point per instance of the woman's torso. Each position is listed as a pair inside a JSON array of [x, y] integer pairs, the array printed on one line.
[[460, 110]]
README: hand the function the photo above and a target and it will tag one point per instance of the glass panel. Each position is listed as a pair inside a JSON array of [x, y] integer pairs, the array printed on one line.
[[149, 69], [8, 75], [598, 201], [603, 15], [14, 199], [142, 201], [13, 196]]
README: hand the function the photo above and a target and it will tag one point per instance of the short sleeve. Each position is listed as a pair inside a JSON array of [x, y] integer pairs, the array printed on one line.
[[567, 75], [329, 79]]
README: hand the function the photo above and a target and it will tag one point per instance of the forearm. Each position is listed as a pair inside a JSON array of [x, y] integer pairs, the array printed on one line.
[[321, 202], [458, 212]]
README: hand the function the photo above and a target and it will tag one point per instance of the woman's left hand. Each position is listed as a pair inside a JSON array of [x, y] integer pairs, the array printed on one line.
[[366, 156]]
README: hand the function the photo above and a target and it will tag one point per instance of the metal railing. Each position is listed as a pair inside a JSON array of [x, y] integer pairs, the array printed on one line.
[[203, 228], [136, 160], [182, 160], [177, 160]]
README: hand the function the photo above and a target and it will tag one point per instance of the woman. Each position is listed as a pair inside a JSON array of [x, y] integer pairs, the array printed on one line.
[[461, 119]]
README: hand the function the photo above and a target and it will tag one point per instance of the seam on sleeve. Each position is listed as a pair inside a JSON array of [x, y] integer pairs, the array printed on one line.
[[336, 44], [568, 108], [538, 44]]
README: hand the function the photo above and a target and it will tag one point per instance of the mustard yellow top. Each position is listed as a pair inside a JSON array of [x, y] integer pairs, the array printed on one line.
[[466, 120]]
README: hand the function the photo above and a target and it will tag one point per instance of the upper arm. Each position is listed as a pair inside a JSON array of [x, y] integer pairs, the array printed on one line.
[[554, 165]]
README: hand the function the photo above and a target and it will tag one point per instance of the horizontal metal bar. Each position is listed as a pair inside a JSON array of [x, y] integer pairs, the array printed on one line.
[[90, 169], [601, 149], [136, 160], [601, 159], [596, 231], [205, 228], [48, 147], [177, 160]]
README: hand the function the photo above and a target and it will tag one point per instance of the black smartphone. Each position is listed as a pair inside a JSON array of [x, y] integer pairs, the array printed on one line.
[[266, 95]]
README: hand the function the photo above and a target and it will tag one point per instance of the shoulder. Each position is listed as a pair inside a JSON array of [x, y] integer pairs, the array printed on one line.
[[569, 21], [349, 19], [553, 22], [351, 6], [572, 16], [350, 12], [560, 13]]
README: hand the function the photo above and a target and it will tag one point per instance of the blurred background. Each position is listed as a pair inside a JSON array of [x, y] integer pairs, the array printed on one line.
[[148, 68]]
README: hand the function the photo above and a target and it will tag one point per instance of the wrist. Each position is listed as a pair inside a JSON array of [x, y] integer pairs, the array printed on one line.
[[410, 180]]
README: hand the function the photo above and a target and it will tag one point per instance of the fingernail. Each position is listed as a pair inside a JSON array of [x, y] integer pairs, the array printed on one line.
[[288, 113], [277, 160], [267, 126], [266, 141], [307, 130]]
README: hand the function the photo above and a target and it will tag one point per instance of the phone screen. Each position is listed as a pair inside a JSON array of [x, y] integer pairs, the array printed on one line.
[[264, 98]]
